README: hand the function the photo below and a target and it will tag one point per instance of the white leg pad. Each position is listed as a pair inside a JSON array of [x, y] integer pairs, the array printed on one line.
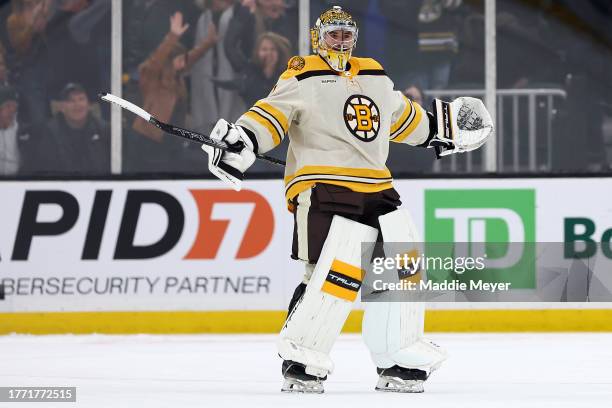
[[316, 321], [393, 331]]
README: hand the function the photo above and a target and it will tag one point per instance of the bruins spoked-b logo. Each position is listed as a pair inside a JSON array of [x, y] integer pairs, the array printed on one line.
[[297, 63], [362, 117]]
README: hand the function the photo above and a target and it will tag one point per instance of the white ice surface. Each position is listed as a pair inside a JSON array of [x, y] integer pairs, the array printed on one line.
[[484, 370]]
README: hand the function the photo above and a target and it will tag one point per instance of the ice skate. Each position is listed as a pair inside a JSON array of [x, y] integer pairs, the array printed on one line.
[[398, 379], [296, 379]]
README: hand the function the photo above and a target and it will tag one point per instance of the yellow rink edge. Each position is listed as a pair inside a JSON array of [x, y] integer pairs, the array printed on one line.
[[183, 322]]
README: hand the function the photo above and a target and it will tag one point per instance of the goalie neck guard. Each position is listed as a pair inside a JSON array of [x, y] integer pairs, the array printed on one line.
[[334, 37]]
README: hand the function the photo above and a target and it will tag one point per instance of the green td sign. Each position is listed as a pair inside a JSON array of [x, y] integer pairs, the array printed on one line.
[[497, 224]]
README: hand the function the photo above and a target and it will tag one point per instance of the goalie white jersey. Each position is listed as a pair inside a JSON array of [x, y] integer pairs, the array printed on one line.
[[339, 124]]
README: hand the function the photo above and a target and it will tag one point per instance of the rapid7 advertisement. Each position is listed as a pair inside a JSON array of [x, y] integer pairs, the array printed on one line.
[[191, 245], [158, 245]]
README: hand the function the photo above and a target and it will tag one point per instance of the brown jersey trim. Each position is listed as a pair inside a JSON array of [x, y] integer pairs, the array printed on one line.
[[372, 72], [309, 74]]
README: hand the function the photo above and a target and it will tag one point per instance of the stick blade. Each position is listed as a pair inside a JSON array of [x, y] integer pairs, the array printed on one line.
[[137, 110]]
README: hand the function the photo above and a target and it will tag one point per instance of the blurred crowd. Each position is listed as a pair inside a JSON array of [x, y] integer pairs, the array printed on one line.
[[190, 62], [54, 57]]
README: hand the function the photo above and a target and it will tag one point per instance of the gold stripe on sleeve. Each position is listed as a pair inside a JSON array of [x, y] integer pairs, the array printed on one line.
[[415, 122], [402, 119], [276, 138], [278, 115]]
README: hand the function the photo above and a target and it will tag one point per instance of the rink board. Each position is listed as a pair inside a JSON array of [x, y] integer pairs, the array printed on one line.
[[452, 321], [191, 256]]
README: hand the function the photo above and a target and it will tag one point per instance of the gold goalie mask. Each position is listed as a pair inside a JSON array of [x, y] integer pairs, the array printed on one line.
[[334, 36]]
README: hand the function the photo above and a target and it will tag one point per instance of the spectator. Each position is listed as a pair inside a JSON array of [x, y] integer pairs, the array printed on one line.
[[438, 42], [9, 148], [250, 21], [401, 39], [208, 102], [5, 12], [145, 26], [74, 141], [415, 94], [79, 38], [164, 94], [90, 28], [3, 70], [26, 28], [269, 60], [27, 23], [260, 75]]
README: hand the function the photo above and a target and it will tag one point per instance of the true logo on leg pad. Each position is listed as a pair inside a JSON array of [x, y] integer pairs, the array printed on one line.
[[410, 271], [343, 281]]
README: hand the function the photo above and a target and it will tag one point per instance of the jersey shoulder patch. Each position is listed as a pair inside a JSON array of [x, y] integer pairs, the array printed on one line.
[[300, 65], [296, 63]]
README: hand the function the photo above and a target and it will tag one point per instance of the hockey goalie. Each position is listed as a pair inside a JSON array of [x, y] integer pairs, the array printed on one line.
[[340, 112]]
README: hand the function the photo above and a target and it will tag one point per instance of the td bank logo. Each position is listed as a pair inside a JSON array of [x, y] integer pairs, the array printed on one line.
[[498, 224]]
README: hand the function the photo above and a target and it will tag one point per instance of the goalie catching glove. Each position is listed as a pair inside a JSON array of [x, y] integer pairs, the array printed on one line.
[[459, 126], [228, 166]]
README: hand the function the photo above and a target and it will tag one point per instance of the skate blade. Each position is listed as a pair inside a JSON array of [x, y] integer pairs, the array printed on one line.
[[394, 384], [292, 385]]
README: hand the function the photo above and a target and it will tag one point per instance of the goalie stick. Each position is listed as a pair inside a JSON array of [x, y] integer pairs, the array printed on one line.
[[180, 132]]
